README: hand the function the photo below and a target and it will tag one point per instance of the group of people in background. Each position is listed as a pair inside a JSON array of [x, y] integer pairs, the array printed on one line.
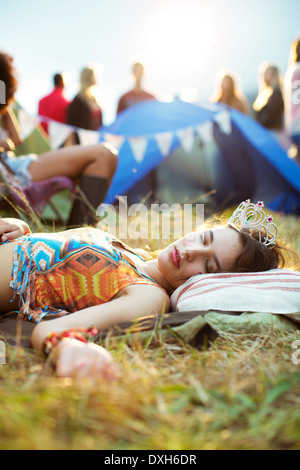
[[276, 107], [84, 111]]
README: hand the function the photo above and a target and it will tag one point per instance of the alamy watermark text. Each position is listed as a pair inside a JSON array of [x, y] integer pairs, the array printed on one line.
[[2, 92], [296, 92], [296, 354], [2, 353], [160, 221]]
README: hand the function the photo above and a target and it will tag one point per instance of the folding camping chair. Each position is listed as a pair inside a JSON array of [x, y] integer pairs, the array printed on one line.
[[34, 197]]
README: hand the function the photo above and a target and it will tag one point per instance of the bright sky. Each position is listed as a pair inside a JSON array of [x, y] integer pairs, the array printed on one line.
[[184, 43]]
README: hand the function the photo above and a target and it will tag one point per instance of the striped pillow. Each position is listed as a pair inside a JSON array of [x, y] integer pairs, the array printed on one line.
[[275, 291]]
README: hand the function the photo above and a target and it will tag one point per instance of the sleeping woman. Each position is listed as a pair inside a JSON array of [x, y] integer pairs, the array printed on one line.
[[85, 278]]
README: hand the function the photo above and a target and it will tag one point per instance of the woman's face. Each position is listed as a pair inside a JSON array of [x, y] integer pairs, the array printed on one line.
[[138, 71], [227, 85], [201, 252], [268, 76]]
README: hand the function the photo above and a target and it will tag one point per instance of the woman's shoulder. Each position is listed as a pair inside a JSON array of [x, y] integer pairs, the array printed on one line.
[[152, 293], [77, 101]]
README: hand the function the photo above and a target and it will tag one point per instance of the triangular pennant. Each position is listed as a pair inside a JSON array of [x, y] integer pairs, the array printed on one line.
[[187, 138], [58, 133], [27, 123], [138, 146], [164, 142], [224, 122], [205, 132], [115, 140], [88, 137]]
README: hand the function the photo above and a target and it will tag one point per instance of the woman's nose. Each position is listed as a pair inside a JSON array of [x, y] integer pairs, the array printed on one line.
[[193, 253]]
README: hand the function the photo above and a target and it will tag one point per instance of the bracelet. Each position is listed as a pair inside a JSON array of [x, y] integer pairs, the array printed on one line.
[[81, 334]]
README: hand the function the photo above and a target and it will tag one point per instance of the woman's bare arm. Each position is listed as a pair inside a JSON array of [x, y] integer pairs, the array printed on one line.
[[134, 302]]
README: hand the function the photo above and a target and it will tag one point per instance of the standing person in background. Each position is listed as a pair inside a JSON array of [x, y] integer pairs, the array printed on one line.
[[137, 94], [54, 105], [227, 92], [85, 111], [292, 97], [269, 105]]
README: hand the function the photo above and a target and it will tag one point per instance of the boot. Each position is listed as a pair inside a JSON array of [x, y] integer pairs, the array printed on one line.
[[94, 189]]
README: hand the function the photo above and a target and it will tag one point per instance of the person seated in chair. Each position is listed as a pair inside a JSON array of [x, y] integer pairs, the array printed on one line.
[[93, 167]]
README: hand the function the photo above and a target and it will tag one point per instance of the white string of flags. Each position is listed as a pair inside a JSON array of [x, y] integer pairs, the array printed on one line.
[[59, 133]]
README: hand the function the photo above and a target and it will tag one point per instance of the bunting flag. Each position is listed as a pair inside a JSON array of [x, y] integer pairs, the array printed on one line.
[[186, 138], [224, 121], [138, 147], [205, 132], [87, 137], [164, 142], [59, 133], [115, 140], [27, 123]]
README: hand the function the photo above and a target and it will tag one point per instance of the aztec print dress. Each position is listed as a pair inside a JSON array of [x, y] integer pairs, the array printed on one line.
[[57, 274]]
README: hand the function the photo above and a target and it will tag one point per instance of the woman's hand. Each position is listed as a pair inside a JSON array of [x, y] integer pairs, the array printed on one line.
[[78, 360], [11, 229]]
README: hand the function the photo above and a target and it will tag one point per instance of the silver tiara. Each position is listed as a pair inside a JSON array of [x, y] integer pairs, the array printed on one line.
[[252, 218]]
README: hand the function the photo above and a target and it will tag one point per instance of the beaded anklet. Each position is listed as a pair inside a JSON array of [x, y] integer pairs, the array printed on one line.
[[81, 334]]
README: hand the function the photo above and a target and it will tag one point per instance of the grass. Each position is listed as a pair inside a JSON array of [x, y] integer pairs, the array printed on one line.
[[241, 393]]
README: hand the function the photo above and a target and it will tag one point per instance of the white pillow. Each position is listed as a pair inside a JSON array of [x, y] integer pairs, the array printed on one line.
[[275, 291]]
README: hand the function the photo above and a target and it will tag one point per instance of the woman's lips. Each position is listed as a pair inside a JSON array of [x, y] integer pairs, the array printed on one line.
[[176, 258]]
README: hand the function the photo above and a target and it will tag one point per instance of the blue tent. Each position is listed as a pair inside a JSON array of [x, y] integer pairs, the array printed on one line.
[[248, 161]]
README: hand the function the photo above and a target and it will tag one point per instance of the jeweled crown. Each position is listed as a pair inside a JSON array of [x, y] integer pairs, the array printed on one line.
[[253, 219]]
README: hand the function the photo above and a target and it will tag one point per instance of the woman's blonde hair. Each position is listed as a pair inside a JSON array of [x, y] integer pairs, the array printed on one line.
[[234, 82], [86, 77], [295, 51], [277, 82]]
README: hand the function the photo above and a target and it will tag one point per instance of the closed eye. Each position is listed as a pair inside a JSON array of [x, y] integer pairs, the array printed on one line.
[[207, 268], [218, 267], [204, 238]]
